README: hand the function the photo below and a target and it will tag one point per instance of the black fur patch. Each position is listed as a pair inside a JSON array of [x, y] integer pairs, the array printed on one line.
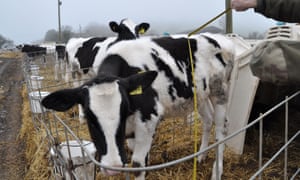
[[212, 41], [96, 133], [220, 58], [178, 49], [182, 89], [204, 84], [86, 53]]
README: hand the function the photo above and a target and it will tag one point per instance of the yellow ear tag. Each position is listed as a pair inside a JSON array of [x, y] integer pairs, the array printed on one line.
[[137, 91], [142, 31]]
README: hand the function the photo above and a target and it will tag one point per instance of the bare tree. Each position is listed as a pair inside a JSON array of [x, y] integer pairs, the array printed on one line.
[[52, 34], [100, 30]]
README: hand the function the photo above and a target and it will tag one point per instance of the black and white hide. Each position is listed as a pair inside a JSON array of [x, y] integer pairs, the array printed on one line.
[[82, 52], [125, 100], [85, 53], [33, 50]]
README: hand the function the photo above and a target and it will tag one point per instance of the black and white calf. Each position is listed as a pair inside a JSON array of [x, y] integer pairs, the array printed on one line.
[[83, 52], [32, 50], [141, 81]]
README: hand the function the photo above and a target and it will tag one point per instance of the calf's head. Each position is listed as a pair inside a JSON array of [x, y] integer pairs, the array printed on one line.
[[127, 29], [106, 102]]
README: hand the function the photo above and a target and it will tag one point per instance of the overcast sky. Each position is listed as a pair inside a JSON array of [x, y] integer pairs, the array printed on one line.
[[25, 21]]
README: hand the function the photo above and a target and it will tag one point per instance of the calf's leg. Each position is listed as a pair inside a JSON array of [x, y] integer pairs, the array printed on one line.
[[207, 118], [220, 112]]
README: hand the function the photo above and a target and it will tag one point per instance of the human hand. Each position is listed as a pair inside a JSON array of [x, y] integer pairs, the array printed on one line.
[[243, 5]]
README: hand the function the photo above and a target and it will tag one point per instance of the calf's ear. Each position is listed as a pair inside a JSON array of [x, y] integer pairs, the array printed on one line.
[[140, 81], [114, 26], [62, 100], [142, 28]]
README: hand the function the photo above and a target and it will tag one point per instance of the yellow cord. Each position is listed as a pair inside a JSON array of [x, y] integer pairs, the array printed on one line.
[[195, 112], [196, 124], [208, 22]]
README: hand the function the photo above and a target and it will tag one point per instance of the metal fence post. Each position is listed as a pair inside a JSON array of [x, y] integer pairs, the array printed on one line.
[[286, 138], [260, 144]]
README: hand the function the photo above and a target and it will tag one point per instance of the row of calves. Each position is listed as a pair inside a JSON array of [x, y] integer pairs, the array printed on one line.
[[37, 50], [135, 81]]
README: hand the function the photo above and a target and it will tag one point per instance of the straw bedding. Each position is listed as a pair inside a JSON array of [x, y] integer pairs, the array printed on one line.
[[11, 55]]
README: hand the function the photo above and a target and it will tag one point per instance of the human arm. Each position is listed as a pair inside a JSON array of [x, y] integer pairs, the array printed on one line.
[[282, 10]]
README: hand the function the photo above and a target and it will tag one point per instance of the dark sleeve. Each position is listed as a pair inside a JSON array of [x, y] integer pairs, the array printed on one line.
[[281, 10]]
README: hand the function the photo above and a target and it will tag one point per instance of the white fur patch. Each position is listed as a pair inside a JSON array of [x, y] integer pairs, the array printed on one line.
[[105, 102], [107, 89]]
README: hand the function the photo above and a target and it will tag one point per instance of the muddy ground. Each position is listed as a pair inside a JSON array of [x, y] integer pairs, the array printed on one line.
[[12, 155]]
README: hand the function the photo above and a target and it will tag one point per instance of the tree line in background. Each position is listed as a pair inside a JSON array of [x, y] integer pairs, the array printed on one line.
[[5, 43], [102, 31], [91, 30], [99, 30], [67, 32]]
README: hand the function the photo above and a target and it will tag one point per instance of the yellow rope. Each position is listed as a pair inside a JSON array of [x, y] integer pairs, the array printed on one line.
[[195, 112], [208, 22], [196, 124]]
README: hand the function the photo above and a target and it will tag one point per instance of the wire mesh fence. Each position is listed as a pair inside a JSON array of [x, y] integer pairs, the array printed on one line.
[[41, 75], [66, 138]]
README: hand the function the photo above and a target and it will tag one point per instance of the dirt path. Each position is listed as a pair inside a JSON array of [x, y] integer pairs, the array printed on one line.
[[12, 156]]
